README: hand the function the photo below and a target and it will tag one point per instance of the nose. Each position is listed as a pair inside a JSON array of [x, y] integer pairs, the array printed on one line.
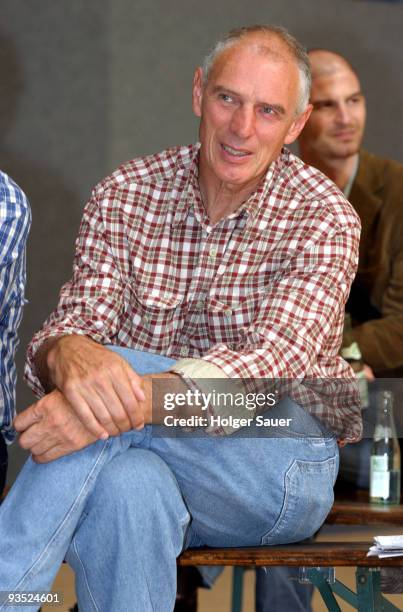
[[243, 121], [342, 114]]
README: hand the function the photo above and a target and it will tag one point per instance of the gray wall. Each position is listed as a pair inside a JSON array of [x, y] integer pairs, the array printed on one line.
[[86, 85]]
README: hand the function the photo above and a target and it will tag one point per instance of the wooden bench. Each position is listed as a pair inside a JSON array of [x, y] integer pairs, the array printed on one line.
[[373, 575], [352, 507]]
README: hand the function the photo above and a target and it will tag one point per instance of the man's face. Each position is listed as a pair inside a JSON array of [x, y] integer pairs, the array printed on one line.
[[336, 125], [248, 111]]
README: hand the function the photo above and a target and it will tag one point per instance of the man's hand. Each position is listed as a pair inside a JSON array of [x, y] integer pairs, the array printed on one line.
[[50, 429], [101, 388], [369, 375]]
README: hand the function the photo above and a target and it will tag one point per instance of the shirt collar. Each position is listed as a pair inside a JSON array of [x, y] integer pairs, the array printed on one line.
[[347, 188], [186, 186], [258, 200], [188, 190]]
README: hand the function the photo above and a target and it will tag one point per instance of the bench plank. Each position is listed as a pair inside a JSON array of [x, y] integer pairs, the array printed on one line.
[[342, 554], [361, 513]]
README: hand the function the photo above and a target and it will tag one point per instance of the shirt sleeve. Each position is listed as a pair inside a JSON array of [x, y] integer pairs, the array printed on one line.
[[15, 219], [91, 303], [299, 321]]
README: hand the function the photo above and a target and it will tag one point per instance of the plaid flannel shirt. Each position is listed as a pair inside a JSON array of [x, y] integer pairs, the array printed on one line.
[[260, 294], [15, 220]]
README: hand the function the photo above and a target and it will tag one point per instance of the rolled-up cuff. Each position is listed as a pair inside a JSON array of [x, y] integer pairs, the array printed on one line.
[[199, 374]]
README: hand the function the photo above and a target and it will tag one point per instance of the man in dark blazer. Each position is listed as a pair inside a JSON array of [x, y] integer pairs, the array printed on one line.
[[331, 141]]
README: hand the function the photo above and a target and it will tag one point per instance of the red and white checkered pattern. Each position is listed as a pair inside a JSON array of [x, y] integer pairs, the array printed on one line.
[[260, 294]]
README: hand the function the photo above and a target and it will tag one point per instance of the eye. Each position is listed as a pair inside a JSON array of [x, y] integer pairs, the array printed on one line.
[[326, 105], [354, 100], [268, 110], [225, 97]]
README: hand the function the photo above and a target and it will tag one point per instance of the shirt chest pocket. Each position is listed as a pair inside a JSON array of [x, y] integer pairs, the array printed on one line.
[[160, 314], [229, 320]]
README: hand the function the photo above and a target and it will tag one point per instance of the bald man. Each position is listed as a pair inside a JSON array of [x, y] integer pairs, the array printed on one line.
[[332, 138], [331, 141], [230, 260]]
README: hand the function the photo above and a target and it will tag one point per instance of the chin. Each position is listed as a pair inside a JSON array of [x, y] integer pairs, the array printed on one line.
[[346, 150], [235, 178]]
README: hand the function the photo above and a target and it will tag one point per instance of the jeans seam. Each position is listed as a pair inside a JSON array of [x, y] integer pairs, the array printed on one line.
[[287, 493], [144, 573], [31, 571], [85, 574]]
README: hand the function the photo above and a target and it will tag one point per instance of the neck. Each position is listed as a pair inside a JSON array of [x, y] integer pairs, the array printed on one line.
[[221, 199], [339, 170]]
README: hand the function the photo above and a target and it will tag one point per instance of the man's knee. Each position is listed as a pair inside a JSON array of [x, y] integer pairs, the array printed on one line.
[[136, 478]]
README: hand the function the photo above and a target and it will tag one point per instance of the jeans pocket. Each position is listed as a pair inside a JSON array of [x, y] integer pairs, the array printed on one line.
[[308, 498]]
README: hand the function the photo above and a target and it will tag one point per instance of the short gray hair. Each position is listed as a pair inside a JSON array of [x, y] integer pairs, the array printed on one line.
[[296, 49]]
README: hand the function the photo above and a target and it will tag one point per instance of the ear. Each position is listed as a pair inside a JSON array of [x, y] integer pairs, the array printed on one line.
[[197, 92], [298, 125]]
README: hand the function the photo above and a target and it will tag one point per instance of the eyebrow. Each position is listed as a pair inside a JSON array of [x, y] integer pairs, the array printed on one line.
[[325, 100], [276, 107]]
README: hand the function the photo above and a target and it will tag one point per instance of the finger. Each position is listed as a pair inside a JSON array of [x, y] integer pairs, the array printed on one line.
[[57, 451], [27, 418], [43, 445], [138, 391], [136, 383], [104, 405], [86, 415], [115, 414], [31, 436], [129, 402], [369, 375]]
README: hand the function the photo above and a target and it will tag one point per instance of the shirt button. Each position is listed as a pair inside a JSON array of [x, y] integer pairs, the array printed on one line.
[[199, 305], [184, 351], [228, 312], [146, 318], [213, 253]]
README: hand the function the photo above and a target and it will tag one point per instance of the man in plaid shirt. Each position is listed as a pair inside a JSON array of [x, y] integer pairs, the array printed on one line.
[[229, 260], [15, 220]]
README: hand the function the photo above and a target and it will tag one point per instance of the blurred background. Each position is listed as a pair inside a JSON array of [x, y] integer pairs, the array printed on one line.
[[88, 85]]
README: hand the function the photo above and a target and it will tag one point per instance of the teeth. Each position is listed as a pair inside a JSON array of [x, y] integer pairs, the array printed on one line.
[[233, 151]]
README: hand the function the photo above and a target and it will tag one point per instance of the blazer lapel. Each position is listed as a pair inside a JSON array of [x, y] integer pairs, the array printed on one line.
[[366, 198]]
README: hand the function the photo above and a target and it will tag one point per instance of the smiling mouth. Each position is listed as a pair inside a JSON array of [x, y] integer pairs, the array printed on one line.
[[234, 152], [345, 134]]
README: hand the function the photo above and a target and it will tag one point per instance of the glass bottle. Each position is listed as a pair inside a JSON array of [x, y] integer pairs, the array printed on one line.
[[350, 351], [385, 454]]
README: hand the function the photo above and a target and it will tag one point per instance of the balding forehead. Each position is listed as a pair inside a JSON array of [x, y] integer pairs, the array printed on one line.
[[326, 63], [269, 44]]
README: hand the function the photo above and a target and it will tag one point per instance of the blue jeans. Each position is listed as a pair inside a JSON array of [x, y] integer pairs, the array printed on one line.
[[121, 510], [278, 589]]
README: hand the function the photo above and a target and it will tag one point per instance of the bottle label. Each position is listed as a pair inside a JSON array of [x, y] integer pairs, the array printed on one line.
[[380, 477]]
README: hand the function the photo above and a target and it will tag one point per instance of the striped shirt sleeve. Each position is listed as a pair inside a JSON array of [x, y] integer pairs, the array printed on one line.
[[15, 220]]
